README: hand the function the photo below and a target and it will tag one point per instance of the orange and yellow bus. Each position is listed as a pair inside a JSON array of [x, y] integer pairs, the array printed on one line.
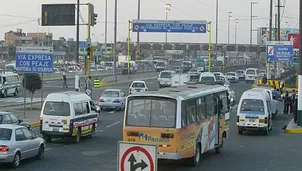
[[184, 122]]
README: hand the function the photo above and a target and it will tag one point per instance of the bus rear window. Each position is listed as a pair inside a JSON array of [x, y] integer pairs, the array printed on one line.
[[57, 108], [252, 105], [151, 112]]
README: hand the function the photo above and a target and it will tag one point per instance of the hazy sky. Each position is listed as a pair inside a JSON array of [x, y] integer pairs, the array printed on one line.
[[27, 12]]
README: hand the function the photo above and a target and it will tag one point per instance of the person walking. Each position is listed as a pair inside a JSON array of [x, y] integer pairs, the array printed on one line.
[[89, 86], [287, 102], [295, 110], [292, 97], [264, 79], [64, 79]]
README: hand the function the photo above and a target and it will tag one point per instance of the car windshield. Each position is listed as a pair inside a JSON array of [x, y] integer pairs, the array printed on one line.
[[160, 63], [262, 72], [165, 75], [251, 72], [138, 85], [108, 93], [193, 70], [151, 112], [240, 72], [56, 108], [216, 74], [252, 105], [230, 74], [5, 134], [207, 79], [219, 78]]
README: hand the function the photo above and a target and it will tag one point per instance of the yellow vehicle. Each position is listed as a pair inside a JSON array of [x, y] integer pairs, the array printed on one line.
[[184, 122]]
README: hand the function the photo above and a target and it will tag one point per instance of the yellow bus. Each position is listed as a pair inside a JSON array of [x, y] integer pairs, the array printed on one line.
[[184, 122]]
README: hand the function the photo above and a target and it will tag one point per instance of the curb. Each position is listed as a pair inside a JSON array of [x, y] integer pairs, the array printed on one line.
[[292, 129], [35, 124]]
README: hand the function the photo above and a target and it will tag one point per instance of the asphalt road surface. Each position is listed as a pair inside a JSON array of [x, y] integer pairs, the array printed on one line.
[[249, 152]]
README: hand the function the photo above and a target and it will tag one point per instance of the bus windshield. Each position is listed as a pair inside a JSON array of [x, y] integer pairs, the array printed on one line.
[[151, 112]]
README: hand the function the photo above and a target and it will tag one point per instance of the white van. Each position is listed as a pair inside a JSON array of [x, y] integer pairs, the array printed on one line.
[[164, 78], [251, 74], [10, 84], [68, 114], [254, 112], [207, 77], [273, 101]]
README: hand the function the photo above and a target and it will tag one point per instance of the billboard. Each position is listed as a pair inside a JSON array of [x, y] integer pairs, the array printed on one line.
[[263, 34], [295, 38]]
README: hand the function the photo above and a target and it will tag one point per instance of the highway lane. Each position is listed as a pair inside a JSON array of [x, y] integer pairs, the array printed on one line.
[[251, 152]]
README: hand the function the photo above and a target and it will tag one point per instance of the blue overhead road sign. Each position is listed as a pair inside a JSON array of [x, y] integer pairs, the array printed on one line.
[[170, 26], [280, 53], [34, 59]]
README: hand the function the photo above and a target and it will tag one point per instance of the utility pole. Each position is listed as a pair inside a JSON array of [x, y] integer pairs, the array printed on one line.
[[167, 10], [216, 31], [277, 64], [106, 27], [300, 72], [268, 64], [115, 40], [77, 77], [229, 29], [236, 28], [138, 18]]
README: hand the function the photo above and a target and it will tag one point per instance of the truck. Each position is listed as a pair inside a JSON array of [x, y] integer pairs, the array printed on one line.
[[179, 79]]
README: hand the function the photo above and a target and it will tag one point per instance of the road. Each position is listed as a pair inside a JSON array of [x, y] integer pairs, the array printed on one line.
[[56, 86], [251, 152]]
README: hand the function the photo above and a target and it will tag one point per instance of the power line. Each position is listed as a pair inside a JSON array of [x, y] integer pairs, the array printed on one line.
[[19, 23], [16, 16]]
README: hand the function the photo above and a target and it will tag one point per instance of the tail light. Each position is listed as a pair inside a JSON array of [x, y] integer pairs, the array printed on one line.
[[265, 120], [167, 135], [133, 134], [101, 100], [237, 118], [3, 148], [41, 121], [116, 101]]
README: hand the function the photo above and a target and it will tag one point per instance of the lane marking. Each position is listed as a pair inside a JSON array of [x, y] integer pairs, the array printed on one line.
[[108, 126], [111, 112]]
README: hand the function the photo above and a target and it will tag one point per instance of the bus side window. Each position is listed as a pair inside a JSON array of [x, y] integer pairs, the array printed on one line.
[[201, 109], [183, 114], [209, 105], [78, 109], [191, 111]]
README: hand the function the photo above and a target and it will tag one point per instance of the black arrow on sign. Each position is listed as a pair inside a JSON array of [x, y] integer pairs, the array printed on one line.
[[134, 166]]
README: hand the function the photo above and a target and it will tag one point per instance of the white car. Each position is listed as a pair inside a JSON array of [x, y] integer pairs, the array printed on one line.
[[232, 77], [241, 74], [137, 87]]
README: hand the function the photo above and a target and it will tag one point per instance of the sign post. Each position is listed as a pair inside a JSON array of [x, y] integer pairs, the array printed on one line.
[[133, 156], [78, 68], [34, 59]]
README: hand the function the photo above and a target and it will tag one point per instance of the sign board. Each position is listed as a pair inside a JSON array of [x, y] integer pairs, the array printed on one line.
[[134, 156], [279, 51], [34, 59], [295, 39], [170, 26], [58, 14]]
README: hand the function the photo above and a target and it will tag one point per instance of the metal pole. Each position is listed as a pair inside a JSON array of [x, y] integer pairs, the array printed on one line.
[[128, 52], [42, 91], [166, 35], [236, 25], [270, 20], [210, 46], [115, 40], [251, 30], [106, 27], [77, 78], [89, 40], [137, 42], [216, 32], [229, 17], [279, 14], [300, 73], [24, 100]]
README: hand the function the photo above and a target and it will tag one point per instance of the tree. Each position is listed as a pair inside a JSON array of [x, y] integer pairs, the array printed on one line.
[[31, 82]]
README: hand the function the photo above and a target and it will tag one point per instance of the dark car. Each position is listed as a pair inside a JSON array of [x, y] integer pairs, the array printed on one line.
[[10, 118]]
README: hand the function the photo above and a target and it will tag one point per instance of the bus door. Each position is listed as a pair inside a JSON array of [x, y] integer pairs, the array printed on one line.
[[217, 118]]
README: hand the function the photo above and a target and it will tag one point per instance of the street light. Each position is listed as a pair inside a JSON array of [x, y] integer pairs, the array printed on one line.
[[168, 9], [251, 27], [229, 20], [236, 27]]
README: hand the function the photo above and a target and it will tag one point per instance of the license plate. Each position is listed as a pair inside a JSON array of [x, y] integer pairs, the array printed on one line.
[[251, 120], [138, 90], [55, 129]]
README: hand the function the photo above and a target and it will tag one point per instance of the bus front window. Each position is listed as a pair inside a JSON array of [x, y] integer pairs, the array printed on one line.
[[151, 112]]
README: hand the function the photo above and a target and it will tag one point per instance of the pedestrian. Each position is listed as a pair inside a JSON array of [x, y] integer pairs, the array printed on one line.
[[287, 102], [264, 79], [89, 86], [295, 110], [64, 79]]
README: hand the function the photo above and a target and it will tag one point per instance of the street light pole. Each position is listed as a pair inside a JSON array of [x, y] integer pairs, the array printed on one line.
[[300, 73], [138, 18], [229, 30], [216, 31], [168, 8], [251, 28], [106, 27], [115, 40], [236, 27]]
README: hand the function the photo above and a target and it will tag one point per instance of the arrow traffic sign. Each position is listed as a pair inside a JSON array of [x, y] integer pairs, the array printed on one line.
[[135, 156]]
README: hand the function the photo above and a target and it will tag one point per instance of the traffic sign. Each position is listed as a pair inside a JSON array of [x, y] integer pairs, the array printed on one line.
[[34, 59], [78, 66], [171, 26], [279, 51], [133, 156]]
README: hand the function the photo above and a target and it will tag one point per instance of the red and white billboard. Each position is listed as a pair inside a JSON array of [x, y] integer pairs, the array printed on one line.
[[295, 38]]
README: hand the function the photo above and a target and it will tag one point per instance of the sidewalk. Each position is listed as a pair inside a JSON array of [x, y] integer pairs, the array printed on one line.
[[293, 128], [31, 116]]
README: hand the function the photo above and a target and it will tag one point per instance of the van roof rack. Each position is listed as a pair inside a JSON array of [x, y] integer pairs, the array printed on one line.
[[192, 87], [174, 90]]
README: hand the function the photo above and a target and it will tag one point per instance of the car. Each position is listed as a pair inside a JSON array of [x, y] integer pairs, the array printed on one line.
[[137, 87], [262, 72], [231, 93], [10, 118], [220, 80], [112, 99], [194, 73], [241, 74], [219, 74], [232, 77], [19, 143]]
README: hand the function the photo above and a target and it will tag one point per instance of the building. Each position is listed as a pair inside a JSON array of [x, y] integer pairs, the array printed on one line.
[[263, 34], [19, 38]]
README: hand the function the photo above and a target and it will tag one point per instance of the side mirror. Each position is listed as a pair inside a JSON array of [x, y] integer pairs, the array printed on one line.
[[20, 120]]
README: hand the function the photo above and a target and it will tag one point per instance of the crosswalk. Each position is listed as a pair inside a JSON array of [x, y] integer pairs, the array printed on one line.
[[18, 100]]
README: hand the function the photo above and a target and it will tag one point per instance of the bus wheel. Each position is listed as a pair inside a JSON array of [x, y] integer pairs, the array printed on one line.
[[195, 160]]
